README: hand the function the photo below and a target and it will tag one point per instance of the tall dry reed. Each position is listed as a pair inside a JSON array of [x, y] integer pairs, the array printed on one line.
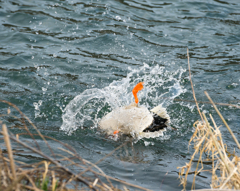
[[207, 141]]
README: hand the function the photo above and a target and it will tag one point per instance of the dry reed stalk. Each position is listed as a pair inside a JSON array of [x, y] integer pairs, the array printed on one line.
[[192, 86], [202, 102], [9, 149], [106, 156], [14, 185], [224, 121]]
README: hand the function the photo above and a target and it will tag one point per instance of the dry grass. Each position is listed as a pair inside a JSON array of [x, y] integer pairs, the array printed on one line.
[[207, 141], [65, 172]]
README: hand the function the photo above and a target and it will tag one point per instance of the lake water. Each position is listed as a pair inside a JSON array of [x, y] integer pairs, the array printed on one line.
[[67, 63]]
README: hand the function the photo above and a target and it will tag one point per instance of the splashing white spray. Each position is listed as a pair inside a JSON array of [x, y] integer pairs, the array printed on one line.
[[86, 109]]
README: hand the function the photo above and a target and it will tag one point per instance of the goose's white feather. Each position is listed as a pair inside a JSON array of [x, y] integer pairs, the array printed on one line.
[[162, 112], [132, 120]]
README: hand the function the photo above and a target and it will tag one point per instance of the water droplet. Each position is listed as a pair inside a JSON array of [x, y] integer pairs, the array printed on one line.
[[118, 18], [44, 90]]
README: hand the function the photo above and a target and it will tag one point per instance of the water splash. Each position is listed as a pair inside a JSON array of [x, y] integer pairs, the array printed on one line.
[[86, 109]]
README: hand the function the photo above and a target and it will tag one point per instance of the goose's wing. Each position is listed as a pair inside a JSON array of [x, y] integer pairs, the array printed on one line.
[[162, 112]]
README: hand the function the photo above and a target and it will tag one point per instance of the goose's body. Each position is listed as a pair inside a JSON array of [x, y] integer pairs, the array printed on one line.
[[126, 119], [136, 121]]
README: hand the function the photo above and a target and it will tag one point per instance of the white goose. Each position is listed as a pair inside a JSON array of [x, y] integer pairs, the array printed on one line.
[[136, 120]]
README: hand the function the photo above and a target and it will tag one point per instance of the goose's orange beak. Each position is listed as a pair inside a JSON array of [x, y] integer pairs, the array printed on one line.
[[136, 89]]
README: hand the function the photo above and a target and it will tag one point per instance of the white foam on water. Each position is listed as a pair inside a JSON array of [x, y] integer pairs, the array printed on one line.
[[86, 109]]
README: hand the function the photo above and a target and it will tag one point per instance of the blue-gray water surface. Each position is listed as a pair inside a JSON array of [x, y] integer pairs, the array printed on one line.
[[95, 51]]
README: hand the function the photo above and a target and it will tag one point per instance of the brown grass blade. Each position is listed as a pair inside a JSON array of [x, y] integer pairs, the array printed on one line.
[[190, 78], [9, 149], [224, 121]]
